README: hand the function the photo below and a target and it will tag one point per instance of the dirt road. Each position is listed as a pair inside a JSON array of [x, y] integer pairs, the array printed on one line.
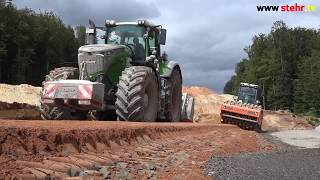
[[117, 150]]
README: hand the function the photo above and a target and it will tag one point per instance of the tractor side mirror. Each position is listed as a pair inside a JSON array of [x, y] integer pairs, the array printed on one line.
[[91, 33], [163, 36]]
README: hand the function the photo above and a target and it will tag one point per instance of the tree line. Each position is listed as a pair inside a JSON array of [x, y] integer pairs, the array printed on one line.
[[32, 44], [286, 64]]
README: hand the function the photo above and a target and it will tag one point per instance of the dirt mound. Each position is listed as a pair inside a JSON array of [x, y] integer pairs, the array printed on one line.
[[207, 103], [19, 101], [194, 90], [22, 94], [283, 120]]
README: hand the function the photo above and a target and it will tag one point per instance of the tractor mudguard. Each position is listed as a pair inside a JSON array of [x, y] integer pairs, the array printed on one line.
[[169, 67]]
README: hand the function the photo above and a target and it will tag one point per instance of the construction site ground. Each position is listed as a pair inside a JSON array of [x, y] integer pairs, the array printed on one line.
[[37, 149], [118, 150]]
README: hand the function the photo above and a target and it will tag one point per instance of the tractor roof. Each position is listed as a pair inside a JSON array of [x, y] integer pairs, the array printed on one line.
[[249, 85], [139, 22]]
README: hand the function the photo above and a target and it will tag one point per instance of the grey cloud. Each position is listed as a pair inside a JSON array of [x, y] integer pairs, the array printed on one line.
[[206, 37], [76, 12]]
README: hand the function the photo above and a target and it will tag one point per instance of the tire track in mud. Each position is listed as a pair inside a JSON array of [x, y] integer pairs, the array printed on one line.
[[73, 150]]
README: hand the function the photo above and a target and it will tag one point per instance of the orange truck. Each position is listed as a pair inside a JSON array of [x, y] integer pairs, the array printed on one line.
[[245, 110]]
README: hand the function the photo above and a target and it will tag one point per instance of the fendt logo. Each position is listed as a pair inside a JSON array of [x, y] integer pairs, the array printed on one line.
[[287, 8]]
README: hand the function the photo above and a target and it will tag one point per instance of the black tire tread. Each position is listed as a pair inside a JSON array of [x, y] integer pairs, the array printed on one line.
[[62, 73], [173, 80], [129, 103]]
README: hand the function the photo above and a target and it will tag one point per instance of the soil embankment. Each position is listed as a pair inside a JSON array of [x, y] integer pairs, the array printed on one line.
[[19, 101]]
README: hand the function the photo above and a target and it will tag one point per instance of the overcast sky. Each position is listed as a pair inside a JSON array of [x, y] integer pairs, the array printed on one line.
[[206, 37]]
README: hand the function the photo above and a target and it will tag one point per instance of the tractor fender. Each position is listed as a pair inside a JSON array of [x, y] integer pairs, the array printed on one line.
[[171, 66]]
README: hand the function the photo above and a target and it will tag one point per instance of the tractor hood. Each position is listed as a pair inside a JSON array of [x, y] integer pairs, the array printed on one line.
[[99, 48], [97, 59]]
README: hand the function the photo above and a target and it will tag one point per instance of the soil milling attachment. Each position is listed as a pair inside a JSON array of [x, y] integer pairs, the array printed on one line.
[[239, 117]]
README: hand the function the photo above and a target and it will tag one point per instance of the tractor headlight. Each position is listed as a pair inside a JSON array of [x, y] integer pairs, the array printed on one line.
[[140, 22], [110, 22]]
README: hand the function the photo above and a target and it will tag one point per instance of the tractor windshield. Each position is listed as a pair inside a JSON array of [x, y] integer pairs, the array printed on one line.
[[247, 94], [130, 36], [125, 35]]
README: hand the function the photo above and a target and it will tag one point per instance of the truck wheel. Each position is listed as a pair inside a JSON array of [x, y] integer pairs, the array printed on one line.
[[137, 95], [174, 97], [56, 112]]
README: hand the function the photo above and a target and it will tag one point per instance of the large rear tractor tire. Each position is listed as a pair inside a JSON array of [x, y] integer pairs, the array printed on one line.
[[137, 95], [57, 112], [174, 97]]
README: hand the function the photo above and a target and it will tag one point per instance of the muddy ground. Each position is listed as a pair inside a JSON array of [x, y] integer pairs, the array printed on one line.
[[40, 149]]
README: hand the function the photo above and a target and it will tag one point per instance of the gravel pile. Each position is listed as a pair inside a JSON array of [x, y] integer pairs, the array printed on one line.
[[284, 164]]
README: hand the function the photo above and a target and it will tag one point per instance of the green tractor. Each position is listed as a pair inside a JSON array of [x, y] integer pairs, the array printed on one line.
[[125, 78]]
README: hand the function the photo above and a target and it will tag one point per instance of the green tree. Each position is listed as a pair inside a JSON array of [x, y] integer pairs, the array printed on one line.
[[286, 62], [80, 35], [31, 44]]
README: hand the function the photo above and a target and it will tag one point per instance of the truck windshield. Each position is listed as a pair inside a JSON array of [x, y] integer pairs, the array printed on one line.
[[247, 95], [125, 34]]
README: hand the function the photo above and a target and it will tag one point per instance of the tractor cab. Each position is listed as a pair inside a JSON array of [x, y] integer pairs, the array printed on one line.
[[141, 38], [249, 93]]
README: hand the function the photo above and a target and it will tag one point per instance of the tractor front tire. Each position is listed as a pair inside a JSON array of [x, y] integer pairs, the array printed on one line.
[[57, 112], [137, 95]]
